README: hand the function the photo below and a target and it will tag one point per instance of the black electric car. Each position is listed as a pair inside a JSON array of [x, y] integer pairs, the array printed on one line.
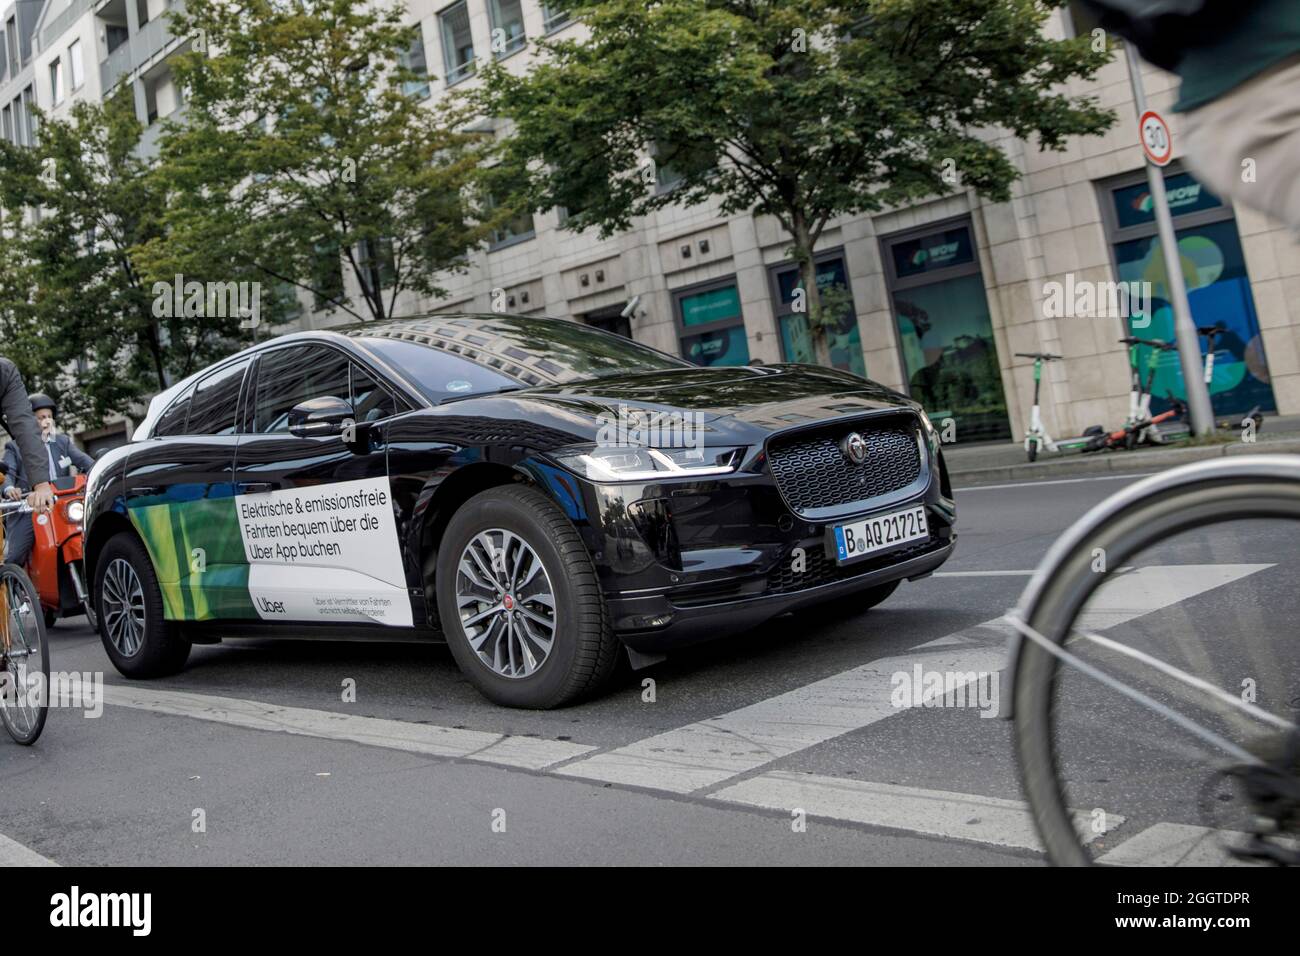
[[540, 494]]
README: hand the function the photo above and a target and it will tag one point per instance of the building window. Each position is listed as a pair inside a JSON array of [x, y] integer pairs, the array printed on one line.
[[554, 16], [711, 328], [29, 116], [457, 43], [7, 124], [507, 26], [945, 332], [516, 229], [76, 68], [56, 82], [415, 61], [796, 337], [1218, 289]]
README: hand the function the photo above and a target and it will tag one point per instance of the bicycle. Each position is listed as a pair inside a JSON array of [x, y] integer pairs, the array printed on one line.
[[24, 649], [1155, 666]]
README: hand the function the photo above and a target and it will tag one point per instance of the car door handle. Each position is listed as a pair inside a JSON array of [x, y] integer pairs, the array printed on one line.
[[255, 487], [145, 490]]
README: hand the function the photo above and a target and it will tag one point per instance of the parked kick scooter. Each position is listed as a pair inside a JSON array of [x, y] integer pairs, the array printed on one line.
[[1036, 435]]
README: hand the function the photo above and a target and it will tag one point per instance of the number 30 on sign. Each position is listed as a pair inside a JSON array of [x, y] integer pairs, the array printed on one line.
[[1156, 141]]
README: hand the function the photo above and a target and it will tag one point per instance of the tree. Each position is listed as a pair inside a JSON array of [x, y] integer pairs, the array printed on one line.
[[77, 309], [804, 110], [304, 151]]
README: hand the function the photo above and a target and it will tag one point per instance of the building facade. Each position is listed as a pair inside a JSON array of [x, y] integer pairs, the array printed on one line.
[[944, 293]]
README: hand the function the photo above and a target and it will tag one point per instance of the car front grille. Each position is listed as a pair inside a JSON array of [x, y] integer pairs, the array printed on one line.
[[813, 473]]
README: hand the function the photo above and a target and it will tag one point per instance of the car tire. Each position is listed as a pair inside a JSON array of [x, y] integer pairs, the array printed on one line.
[[583, 652], [50, 618], [143, 644]]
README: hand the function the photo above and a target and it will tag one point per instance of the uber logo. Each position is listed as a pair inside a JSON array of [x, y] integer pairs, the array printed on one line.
[[270, 607]]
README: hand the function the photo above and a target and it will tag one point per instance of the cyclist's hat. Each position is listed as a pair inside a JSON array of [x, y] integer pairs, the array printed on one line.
[[41, 400]]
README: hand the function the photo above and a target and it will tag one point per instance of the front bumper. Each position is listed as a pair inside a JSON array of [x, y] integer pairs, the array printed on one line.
[[689, 560]]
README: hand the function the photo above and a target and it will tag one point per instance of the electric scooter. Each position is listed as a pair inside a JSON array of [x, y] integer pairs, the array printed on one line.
[[1036, 435]]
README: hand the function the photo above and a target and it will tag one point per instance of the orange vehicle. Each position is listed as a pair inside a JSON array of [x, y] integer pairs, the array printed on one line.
[[56, 566]]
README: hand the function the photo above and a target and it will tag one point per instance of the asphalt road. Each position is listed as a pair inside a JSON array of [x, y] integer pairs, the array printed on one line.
[[779, 746]]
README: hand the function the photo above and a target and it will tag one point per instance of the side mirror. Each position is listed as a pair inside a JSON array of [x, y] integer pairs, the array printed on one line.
[[318, 417]]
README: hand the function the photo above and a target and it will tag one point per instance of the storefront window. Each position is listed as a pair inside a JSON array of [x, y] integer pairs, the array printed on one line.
[[796, 338], [945, 332], [1218, 291], [712, 327]]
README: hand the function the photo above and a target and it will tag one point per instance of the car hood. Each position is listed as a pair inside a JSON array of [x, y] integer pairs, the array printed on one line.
[[735, 404]]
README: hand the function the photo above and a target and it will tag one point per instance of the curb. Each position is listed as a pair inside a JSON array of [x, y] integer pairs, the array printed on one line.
[[1102, 463]]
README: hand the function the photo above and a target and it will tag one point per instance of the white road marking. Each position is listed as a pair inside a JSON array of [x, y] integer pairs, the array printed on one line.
[[941, 813], [705, 753], [1177, 844], [1057, 481], [981, 574], [708, 752], [512, 751], [13, 853]]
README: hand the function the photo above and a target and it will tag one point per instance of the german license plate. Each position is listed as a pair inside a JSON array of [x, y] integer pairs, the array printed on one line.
[[861, 538]]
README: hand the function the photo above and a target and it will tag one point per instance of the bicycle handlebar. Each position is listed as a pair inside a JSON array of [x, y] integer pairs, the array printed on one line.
[[1153, 343], [1045, 356]]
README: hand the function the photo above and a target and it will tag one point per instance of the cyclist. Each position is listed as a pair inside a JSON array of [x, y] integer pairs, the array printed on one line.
[[17, 419]]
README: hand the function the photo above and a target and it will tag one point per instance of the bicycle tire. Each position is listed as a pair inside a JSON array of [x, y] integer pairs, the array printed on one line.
[[19, 592], [1138, 518]]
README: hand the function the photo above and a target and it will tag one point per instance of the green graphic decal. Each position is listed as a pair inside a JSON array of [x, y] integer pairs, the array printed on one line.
[[198, 556]]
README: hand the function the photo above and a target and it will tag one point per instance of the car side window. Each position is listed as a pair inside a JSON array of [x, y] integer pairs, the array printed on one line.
[[370, 400], [215, 403], [172, 421], [289, 376]]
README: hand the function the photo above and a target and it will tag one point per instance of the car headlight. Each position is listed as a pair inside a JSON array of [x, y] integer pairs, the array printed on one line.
[[609, 463], [75, 511]]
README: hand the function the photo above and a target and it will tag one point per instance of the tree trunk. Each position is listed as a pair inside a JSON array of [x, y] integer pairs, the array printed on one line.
[[803, 252]]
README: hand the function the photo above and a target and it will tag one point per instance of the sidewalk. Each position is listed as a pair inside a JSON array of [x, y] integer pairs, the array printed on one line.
[[1005, 461]]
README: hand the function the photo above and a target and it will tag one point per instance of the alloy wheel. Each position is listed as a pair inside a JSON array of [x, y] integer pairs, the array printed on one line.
[[506, 603], [123, 607]]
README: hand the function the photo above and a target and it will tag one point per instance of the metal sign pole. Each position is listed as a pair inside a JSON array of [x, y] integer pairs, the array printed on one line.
[[1189, 345]]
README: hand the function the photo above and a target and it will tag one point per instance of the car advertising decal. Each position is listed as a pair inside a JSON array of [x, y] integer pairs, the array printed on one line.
[[323, 553]]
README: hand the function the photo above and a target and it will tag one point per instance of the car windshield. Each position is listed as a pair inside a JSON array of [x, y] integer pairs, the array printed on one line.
[[452, 356]]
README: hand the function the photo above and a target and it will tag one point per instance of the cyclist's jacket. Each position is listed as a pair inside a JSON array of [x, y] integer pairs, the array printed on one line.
[[17, 419]]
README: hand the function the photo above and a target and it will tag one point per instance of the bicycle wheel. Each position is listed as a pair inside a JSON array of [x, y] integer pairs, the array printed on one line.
[[1156, 675], [24, 657]]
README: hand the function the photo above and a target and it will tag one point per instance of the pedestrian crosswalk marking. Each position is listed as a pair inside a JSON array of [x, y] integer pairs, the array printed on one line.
[[13, 853], [708, 752], [939, 813], [1178, 844]]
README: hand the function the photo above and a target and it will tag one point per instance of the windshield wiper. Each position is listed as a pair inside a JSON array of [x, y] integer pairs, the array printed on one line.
[[494, 391]]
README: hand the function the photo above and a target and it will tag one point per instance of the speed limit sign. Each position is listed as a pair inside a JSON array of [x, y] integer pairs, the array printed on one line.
[[1156, 141]]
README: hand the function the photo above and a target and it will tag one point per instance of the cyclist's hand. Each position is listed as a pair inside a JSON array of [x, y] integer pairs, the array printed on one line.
[[12, 493], [41, 499]]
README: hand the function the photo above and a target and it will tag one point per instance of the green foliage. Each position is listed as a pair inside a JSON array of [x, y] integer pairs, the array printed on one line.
[[302, 157], [799, 109], [72, 290]]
